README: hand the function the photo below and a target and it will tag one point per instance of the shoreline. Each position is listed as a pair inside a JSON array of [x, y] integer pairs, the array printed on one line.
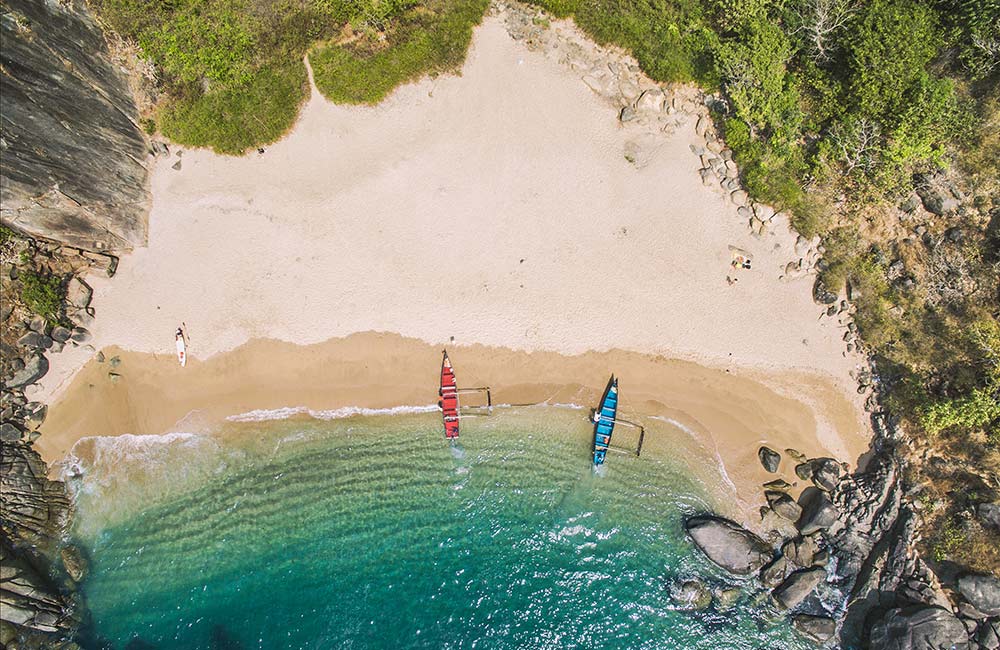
[[718, 413]]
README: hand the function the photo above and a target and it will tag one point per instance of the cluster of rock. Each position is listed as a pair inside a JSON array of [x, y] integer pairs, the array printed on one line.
[[39, 607]]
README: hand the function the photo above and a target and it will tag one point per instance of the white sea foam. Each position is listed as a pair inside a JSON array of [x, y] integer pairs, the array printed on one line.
[[718, 457], [264, 415]]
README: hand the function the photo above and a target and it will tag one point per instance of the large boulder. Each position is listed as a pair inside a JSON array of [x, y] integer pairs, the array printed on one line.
[[784, 505], [818, 512], [989, 514], [982, 592], [825, 473], [798, 586], [920, 627], [769, 458], [34, 369], [728, 544]]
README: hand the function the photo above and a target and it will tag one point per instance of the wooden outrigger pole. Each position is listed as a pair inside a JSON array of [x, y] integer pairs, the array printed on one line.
[[642, 432], [480, 389]]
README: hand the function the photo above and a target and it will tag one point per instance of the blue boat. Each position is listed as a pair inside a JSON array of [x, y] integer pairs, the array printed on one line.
[[604, 421]]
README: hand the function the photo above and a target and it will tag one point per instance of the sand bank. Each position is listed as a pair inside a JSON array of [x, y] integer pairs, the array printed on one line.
[[721, 416]]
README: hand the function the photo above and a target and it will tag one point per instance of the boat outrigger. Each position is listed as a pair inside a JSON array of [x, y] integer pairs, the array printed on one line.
[[605, 418], [449, 393], [604, 421]]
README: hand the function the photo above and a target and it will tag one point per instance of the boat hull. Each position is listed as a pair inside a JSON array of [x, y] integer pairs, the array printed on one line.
[[449, 398], [604, 421]]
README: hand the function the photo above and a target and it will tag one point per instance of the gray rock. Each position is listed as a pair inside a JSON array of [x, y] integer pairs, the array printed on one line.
[[73, 562], [778, 484], [691, 595], [35, 340], [817, 628], [825, 473], [9, 432], [982, 592], [784, 505], [920, 627], [801, 551], [818, 512], [627, 114], [74, 155], [989, 635], [78, 293], [774, 573], [989, 514], [728, 544], [37, 324], [80, 335], [937, 200], [34, 369], [821, 294], [798, 586], [60, 334], [769, 458], [804, 471], [795, 454]]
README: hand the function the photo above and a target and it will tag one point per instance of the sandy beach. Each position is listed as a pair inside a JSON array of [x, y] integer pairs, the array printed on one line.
[[493, 211]]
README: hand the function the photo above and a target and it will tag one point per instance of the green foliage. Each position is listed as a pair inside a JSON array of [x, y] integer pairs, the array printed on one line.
[[732, 15], [43, 294], [235, 118], [973, 411], [232, 68], [560, 8], [430, 42], [947, 540], [6, 234]]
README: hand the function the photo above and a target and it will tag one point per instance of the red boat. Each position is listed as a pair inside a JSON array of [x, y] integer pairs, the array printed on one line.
[[449, 398]]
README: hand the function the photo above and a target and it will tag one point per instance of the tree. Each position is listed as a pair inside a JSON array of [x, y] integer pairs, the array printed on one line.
[[818, 21]]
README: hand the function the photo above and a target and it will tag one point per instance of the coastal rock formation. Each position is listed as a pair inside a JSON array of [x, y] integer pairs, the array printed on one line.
[[728, 544], [74, 157], [769, 458], [919, 628], [38, 608], [798, 586], [982, 592]]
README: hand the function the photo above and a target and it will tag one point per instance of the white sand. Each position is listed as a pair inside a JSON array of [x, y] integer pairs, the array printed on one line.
[[495, 207]]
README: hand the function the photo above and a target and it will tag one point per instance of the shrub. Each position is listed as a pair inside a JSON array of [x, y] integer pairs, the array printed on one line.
[[43, 294]]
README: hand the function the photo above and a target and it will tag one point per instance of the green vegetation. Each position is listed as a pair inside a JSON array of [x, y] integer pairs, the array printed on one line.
[[836, 110], [42, 294], [231, 70], [430, 38], [6, 234]]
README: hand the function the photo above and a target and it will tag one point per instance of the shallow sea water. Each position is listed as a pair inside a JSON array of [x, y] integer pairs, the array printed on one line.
[[375, 532]]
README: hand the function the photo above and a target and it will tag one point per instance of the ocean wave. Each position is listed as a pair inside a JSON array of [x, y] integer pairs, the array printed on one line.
[[283, 413]]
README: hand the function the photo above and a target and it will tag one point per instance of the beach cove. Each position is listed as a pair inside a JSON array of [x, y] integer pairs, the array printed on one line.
[[319, 281]]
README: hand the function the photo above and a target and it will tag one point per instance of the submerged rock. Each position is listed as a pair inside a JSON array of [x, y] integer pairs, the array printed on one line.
[[920, 627], [691, 595], [728, 544], [769, 458]]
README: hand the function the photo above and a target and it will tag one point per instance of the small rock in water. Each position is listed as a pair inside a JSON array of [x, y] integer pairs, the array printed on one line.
[[115, 362], [769, 458], [726, 598], [99, 357], [691, 595], [728, 544]]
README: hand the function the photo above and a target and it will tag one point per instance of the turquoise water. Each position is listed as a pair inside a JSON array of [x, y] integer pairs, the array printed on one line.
[[374, 532]]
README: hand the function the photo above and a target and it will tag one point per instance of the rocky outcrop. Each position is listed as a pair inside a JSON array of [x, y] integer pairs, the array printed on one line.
[[728, 544], [798, 586], [982, 592], [74, 157], [38, 607], [919, 627]]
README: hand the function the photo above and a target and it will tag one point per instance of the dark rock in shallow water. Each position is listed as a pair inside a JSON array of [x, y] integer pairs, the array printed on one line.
[[825, 473], [817, 628], [769, 458], [982, 592], [818, 512], [728, 544], [920, 627], [691, 595], [784, 505], [774, 573], [798, 586]]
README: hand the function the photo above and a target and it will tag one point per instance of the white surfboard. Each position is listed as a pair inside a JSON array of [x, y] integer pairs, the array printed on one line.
[[181, 350]]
